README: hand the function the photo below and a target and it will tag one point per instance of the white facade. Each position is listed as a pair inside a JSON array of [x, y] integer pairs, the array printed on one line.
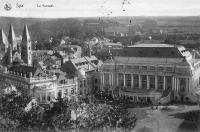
[[147, 78]]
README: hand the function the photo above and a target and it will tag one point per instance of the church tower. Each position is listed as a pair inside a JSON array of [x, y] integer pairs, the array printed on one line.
[[3, 41], [12, 38], [10, 57], [26, 48]]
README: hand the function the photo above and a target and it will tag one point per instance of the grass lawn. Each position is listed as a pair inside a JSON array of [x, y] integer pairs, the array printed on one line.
[[177, 118]]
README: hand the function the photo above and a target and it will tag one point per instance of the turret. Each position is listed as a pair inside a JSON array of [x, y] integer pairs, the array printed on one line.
[[26, 47]]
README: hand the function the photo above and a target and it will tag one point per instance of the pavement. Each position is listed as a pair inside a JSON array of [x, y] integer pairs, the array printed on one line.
[[163, 120]]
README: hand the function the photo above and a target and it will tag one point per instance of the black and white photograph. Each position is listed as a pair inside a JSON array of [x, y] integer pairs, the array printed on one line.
[[99, 66]]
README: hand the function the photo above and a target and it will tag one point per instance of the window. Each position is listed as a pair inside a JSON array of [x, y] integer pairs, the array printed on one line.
[[136, 81], [119, 67], [152, 68], [160, 82], [128, 67], [182, 84], [43, 97], [144, 67], [121, 79], [106, 78], [84, 83], [81, 84], [152, 81], [66, 92], [128, 80], [160, 68], [60, 93], [49, 97], [136, 67], [72, 91], [96, 81], [169, 69], [144, 81]]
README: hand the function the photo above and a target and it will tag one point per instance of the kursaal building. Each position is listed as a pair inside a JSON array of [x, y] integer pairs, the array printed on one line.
[[152, 72]]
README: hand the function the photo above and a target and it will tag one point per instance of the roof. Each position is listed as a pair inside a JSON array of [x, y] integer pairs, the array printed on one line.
[[3, 38], [23, 69], [86, 63], [26, 37], [11, 35], [152, 50]]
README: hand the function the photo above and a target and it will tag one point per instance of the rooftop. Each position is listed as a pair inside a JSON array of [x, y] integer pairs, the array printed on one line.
[[153, 50]]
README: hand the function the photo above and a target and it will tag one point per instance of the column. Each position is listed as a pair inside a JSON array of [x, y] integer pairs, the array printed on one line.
[[164, 82], [173, 83], [140, 82], [124, 80], [132, 81], [177, 86], [187, 82], [110, 81], [103, 78], [117, 79], [156, 82], [148, 82]]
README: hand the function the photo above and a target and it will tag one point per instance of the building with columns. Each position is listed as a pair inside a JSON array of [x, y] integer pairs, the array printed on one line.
[[149, 72]]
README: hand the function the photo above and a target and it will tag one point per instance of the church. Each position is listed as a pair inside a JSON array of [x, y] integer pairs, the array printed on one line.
[[17, 70]]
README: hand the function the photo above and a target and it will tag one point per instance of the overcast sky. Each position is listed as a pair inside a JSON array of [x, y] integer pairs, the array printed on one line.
[[90, 8]]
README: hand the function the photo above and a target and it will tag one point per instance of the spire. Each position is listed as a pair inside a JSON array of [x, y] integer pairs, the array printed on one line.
[[26, 47], [26, 37], [3, 39], [11, 37]]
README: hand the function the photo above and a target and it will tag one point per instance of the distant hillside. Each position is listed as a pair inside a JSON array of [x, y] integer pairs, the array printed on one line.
[[43, 28]]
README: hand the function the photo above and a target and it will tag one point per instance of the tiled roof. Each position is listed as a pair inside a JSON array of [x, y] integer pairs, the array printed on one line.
[[152, 50], [85, 63]]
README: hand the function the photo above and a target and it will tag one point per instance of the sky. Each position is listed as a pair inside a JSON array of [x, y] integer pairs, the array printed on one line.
[[96, 8]]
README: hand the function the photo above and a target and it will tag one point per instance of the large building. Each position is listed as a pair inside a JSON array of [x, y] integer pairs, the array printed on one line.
[[86, 70], [152, 72]]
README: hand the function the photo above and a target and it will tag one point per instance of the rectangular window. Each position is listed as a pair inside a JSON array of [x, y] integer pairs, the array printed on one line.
[[106, 78], [84, 83], [169, 69], [49, 97], [66, 92], [128, 67], [152, 68], [119, 67], [152, 81], [121, 79], [136, 81], [160, 82], [160, 68], [136, 67], [144, 67], [144, 81], [81, 84], [128, 80], [72, 91], [60, 93], [43, 97]]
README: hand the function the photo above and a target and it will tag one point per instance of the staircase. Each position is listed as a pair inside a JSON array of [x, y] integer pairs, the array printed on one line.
[[193, 96], [166, 97]]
